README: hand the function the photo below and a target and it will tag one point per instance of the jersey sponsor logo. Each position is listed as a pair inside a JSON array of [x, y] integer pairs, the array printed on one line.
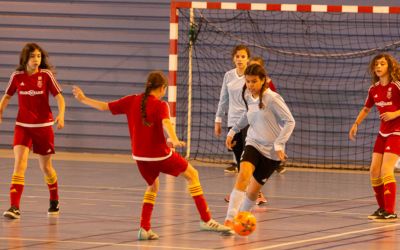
[[31, 92], [387, 148], [383, 104], [22, 84], [376, 96]]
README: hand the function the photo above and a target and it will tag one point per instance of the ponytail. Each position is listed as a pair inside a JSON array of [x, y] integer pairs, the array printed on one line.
[[155, 80]]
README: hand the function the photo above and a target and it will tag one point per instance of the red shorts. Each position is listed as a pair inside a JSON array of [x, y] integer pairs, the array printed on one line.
[[390, 144], [42, 139], [173, 165]]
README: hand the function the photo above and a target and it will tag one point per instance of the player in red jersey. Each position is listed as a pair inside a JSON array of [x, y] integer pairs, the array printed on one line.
[[148, 117], [385, 95], [33, 81]]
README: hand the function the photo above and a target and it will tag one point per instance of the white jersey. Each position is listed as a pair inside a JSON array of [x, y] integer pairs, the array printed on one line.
[[270, 127], [230, 98]]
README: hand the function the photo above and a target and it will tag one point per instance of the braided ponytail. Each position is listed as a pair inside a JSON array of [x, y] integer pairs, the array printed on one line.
[[155, 80]]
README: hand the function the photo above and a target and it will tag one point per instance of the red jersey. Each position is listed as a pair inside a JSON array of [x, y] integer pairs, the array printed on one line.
[[387, 99], [33, 97], [148, 142]]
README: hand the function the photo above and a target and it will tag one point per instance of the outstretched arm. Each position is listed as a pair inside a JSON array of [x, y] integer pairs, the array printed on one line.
[[80, 96]]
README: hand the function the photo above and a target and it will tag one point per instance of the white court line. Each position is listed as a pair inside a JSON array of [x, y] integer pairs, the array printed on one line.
[[99, 243], [325, 237]]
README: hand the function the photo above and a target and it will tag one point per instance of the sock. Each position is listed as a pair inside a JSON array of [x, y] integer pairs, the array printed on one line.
[[235, 201], [377, 185], [53, 186], [16, 189], [149, 200], [247, 204], [197, 193], [389, 193]]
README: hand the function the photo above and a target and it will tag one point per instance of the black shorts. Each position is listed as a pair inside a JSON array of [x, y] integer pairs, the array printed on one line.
[[264, 167]]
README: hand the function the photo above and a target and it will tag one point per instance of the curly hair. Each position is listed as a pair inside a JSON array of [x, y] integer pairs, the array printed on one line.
[[393, 68], [26, 53]]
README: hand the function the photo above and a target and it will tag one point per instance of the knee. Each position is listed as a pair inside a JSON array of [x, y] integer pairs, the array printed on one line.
[[191, 174]]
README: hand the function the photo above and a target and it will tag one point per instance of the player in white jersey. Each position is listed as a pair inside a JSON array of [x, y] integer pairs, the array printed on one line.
[[270, 126], [385, 95]]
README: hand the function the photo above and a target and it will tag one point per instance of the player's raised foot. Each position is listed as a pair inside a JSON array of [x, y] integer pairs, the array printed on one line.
[[386, 217], [54, 208], [376, 214], [231, 169], [12, 213], [212, 225], [147, 235], [281, 169]]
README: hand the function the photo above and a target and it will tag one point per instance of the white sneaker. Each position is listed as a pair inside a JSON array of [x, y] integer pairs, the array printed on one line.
[[147, 235], [212, 225]]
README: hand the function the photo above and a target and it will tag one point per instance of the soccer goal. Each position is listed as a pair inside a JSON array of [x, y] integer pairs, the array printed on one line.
[[316, 55]]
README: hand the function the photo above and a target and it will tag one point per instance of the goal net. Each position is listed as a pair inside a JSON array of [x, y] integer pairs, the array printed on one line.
[[316, 55]]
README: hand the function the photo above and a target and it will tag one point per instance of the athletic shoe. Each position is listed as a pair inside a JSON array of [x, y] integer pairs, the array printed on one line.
[[54, 208], [147, 235], [386, 217], [12, 213], [229, 224], [261, 199], [231, 169], [376, 214], [281, 169], [227, 197], [212, 225]]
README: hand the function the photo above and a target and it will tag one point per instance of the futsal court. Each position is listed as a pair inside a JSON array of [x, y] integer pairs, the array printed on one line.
[[101, 198]]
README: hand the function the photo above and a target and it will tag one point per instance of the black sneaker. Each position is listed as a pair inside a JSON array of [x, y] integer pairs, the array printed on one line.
[[231, 169], [54, 208], [281, 169], [386, 217], [376, 214], [12, 213]]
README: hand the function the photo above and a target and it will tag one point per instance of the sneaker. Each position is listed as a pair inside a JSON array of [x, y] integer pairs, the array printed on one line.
[[54, 208], [212, 225], [12, 213], [376, 214], [229, 224], [227, 197], [231, 169], [386, 217], [147, 235], [261, 199], [281, 169]]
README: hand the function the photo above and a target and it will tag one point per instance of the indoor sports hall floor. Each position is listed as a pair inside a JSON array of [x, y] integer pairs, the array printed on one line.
[[101, 201]]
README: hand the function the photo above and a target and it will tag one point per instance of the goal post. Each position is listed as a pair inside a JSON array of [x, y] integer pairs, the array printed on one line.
[[316, 55]]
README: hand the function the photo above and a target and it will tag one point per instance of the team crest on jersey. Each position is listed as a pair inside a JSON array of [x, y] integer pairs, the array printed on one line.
[[39, 82], [389, 93]]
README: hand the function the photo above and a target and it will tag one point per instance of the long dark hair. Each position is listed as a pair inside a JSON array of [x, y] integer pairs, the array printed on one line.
[[26, 53], [256, 70], [155, 80], [393, 68]]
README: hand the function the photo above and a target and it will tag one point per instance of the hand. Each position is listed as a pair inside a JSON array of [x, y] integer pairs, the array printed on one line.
[[353, 132], [217, 129], [78, 93], [175, 143], [60, 121], [282, 156], [387, 116], [229, 144]]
